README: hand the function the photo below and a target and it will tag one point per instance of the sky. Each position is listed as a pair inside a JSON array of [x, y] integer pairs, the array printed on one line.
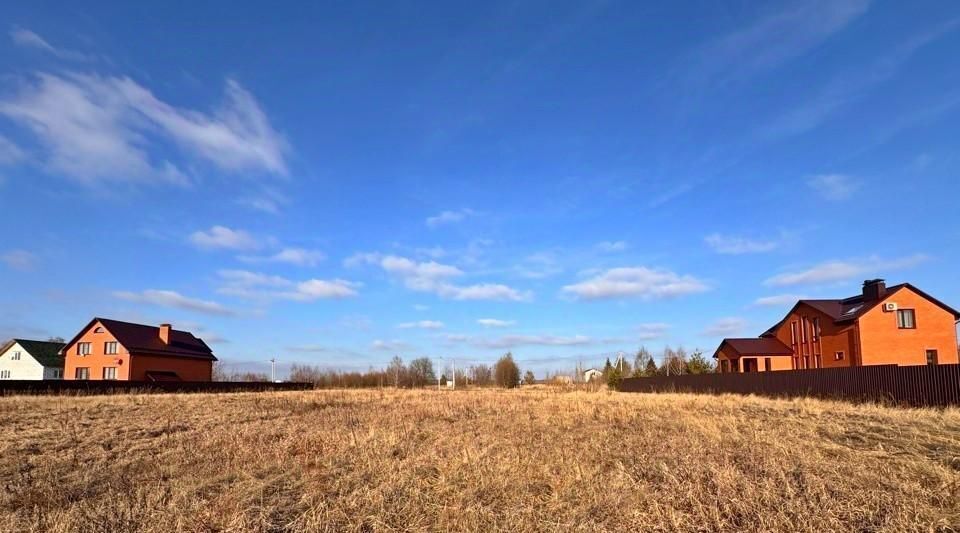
[[337, 183]]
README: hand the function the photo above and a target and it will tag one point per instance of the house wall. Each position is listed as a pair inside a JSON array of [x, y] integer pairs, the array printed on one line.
[[187, 368], [833, 338], [97, 360], [26, 368], [883, 342]]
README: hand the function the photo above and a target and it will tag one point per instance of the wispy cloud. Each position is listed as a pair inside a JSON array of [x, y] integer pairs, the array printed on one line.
[[165, 298], [638, 282], [835, 271], [27, 39], [609, 247], [255, 285], [98, 129], [834, 187], [726, 326], [21, 260], [495, 323], [9, 152], [436, 278], [736, 245], [294, 256], [224, 238], [773, 39], [392, 345], [538, 266], [779, 300], [422, 324], [514, 341], [449, 217], [652, 331]]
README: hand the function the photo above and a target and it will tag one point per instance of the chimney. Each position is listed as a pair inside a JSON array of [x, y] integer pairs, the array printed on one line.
[[874, 289], [165, 333]]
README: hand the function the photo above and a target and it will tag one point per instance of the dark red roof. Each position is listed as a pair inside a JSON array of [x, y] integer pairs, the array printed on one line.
[[142, 339], [757, 346]]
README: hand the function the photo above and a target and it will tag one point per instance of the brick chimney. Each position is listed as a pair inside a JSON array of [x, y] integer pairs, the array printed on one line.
[[874, 289], [165, 333]]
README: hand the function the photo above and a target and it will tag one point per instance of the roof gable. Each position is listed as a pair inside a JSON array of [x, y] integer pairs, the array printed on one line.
[[143, 339], [44, 352]]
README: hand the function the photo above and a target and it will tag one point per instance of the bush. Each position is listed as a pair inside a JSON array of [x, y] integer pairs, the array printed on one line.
[[506, 373]]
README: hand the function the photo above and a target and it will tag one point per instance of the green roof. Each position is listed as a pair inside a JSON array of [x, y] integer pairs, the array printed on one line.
[[46, 353]]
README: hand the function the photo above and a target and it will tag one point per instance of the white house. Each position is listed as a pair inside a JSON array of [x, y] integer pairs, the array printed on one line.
[[591, 375], [25, 359]]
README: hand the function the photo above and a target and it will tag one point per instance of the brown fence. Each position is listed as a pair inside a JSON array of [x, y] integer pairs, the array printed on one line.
[[8, 387], [906, 385]]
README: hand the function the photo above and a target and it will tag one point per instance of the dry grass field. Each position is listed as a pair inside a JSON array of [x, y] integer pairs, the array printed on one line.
[[473, 461]]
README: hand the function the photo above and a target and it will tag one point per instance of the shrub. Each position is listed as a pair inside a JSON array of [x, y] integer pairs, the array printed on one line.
[[506, 373]]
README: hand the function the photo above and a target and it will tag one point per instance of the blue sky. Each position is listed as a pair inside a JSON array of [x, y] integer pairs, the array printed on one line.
[[336, 184]]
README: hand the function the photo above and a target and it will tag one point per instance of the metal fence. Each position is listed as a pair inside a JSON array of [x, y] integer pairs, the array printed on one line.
[[905, 385], [73, 387]]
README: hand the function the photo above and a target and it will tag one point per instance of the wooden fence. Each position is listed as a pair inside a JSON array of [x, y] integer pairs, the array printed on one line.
[[74, 387], [903, 385]]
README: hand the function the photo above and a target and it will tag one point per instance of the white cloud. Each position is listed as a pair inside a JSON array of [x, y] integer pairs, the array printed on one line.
[[266, 200], [293, 256], [254, 285], [421, 324], [174, 299], [726, 326], [224, 238], [834, 187], [513, 341], [612, 246], [27, 39], [100, 129], [538, 266], [436, 278], [834, 271], [495, 323], [734, 245], [778, 300], [9, 153], [647, 332], [640, 282], [393, 345], [19, 260], [421, 307], [449, 217]]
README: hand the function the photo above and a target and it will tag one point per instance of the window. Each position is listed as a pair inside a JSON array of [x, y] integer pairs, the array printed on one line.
[[766, 364], [838, 356], [4, 374], [803, 330], [793, 333], [57, 373], [82, 373], [99, 329], [110, 348], [818, 360], [816, 329], [806, 361], [906, 319], [110, 372], [83, 348], [724, 366], [735, 365], [931, 357]]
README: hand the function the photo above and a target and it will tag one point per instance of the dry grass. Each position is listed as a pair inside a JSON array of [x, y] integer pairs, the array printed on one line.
[[473, 461]]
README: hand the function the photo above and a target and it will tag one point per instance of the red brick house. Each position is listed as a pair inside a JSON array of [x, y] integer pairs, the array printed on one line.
[[113, 350], [899, 325]]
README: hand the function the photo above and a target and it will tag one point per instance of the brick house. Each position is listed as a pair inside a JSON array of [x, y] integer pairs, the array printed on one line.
[[113, 350], [899, 325]]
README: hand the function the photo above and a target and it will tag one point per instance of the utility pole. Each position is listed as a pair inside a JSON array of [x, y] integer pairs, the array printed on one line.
[[439, 375], [273, 370], [453, 365]]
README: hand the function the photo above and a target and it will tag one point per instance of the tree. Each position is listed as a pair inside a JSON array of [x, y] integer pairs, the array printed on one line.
[[651, 368], [674, 361], [607, 368], [698, 364], [614, 378], [421, 372], [506, 372], [481, 375], [396, 371], [529, 378], [56, 339], [641, 362]]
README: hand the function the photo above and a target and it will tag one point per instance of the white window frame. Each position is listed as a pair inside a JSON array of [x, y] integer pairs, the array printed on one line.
[[112, 370], [913, 317], [108, 344], [15, 356], [84, 348]]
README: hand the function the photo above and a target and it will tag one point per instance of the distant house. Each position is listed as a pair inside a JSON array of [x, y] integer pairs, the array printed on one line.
[[32, 360], [113, 350], [899, 325], [592, 374]]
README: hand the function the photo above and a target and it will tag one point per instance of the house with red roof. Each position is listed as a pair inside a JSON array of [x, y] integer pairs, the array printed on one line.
[[899, 325], [113, 350]]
